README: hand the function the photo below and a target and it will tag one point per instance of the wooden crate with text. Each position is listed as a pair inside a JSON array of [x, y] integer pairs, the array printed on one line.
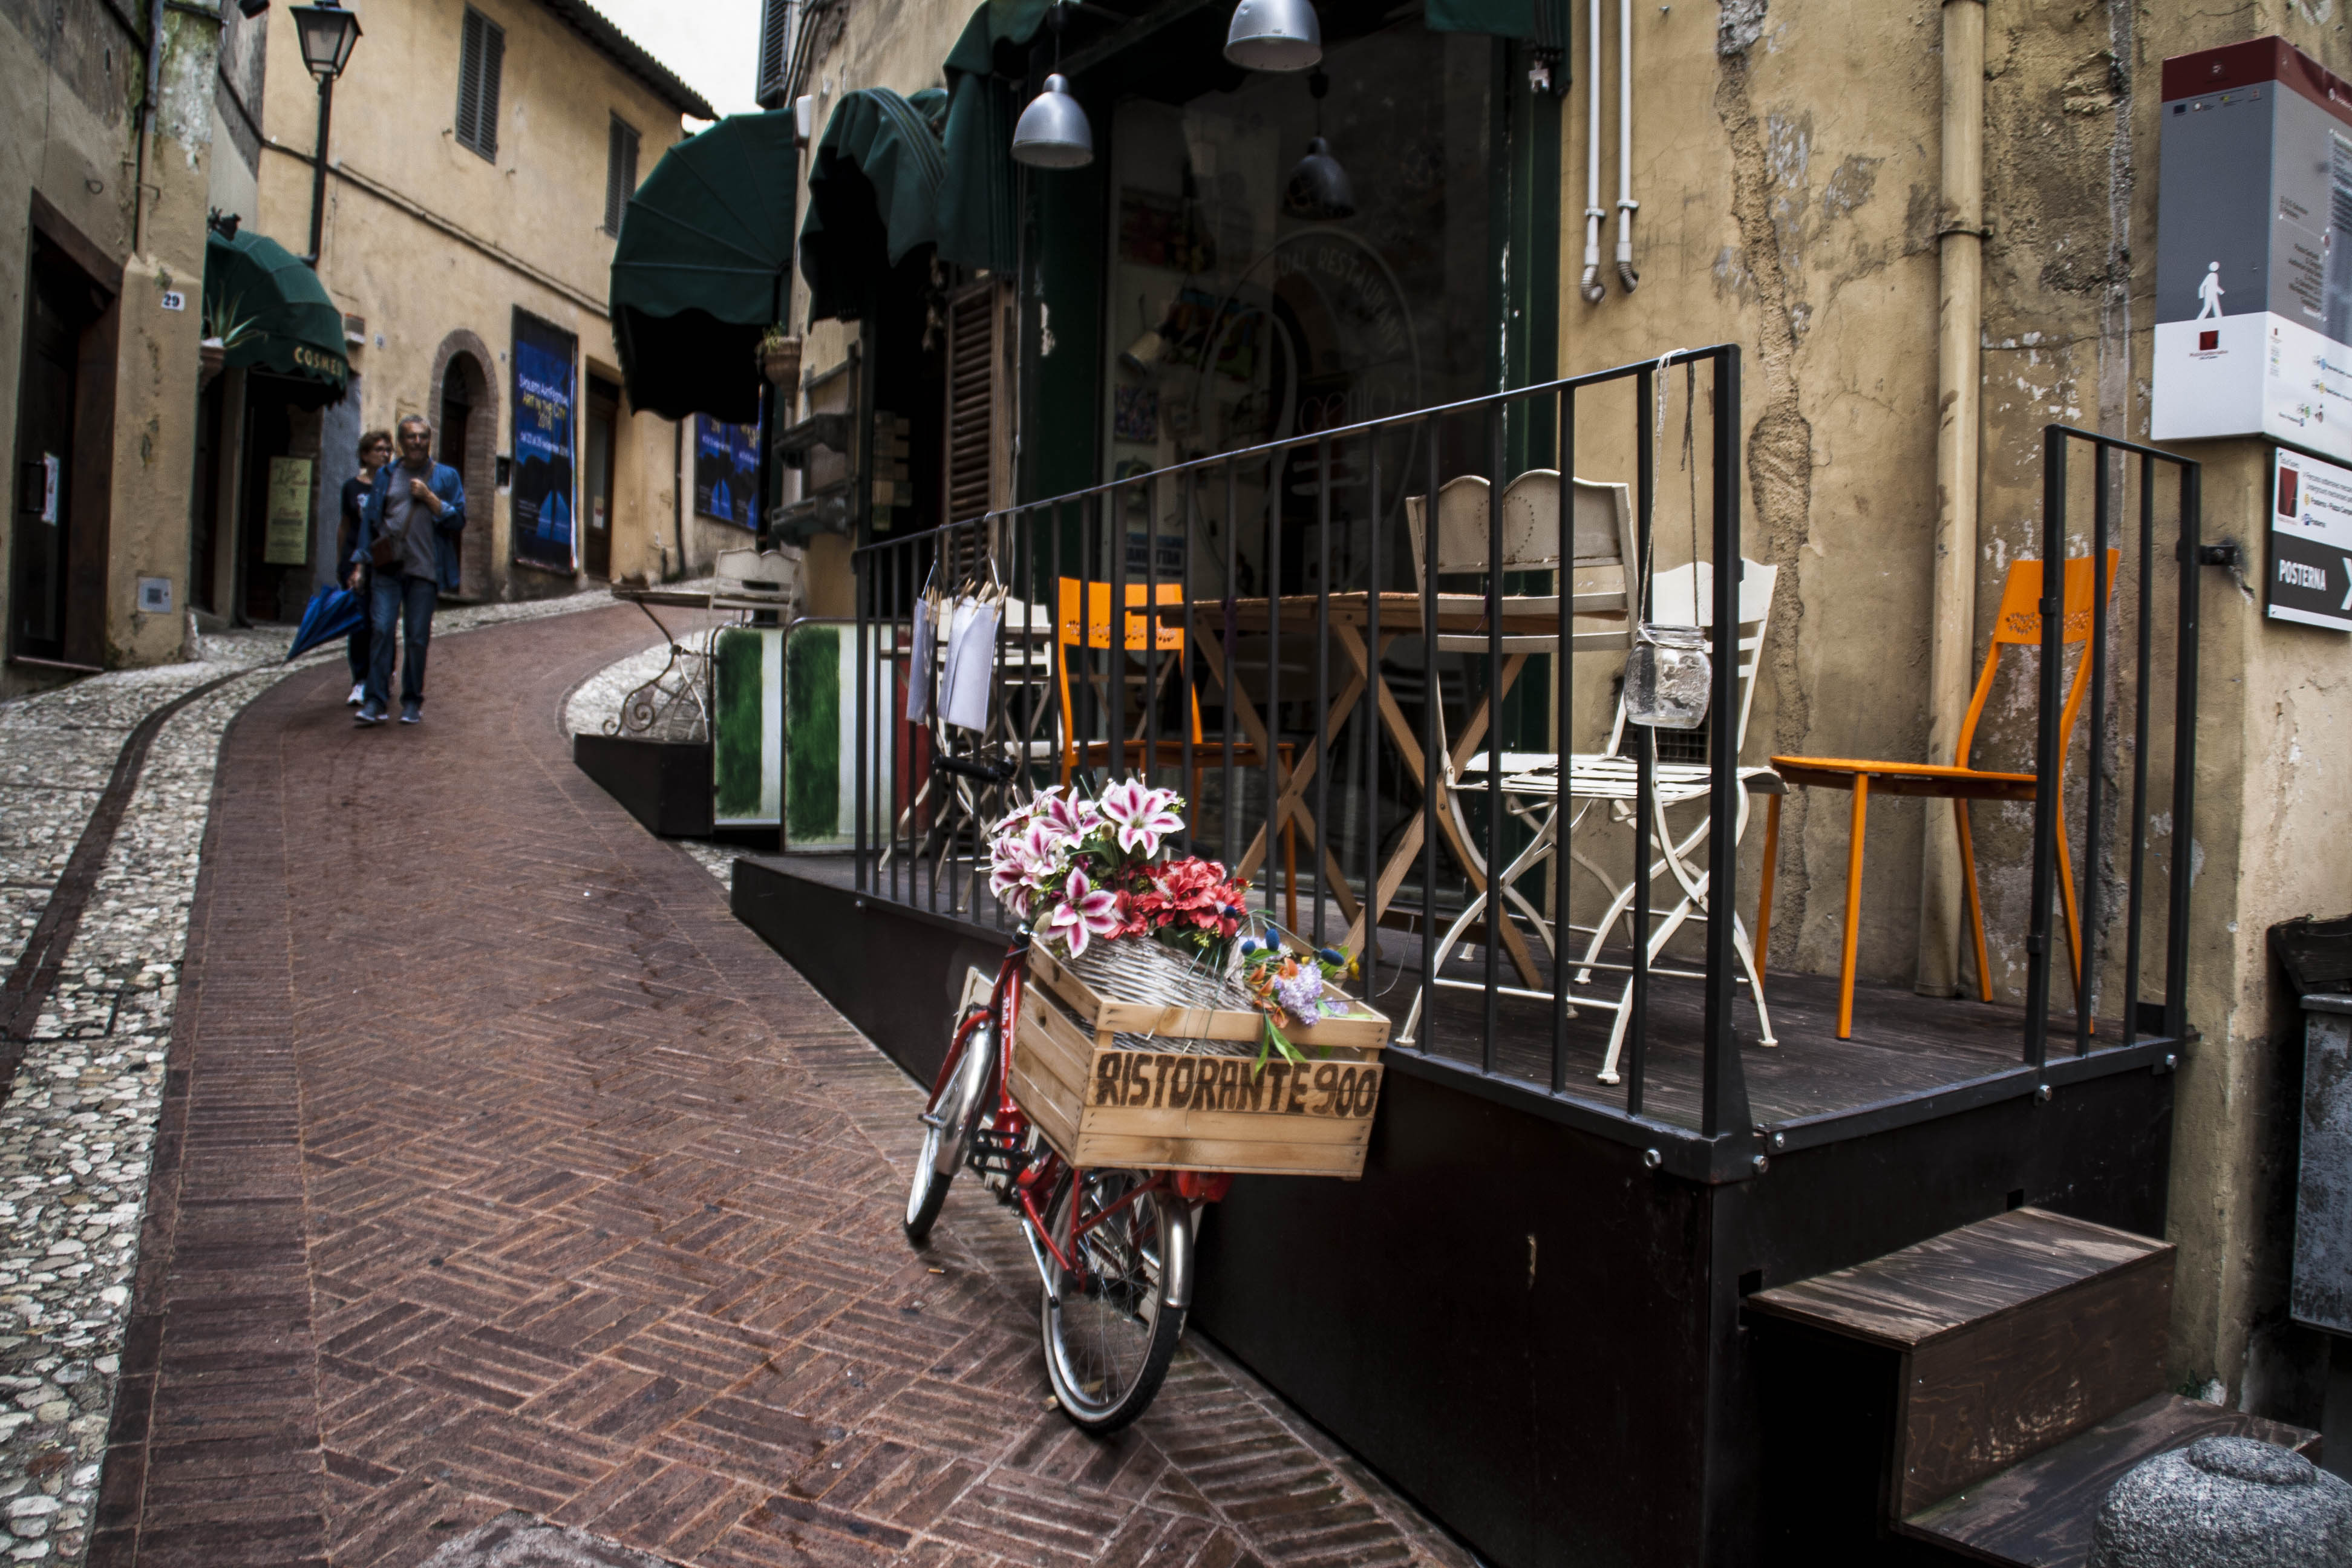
[[1084, 1070]]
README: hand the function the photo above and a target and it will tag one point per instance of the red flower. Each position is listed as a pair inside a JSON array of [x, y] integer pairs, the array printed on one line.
[[1191, 893]]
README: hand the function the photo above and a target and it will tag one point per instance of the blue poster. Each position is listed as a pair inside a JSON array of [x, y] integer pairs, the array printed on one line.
[[544, 394], [727, 472]]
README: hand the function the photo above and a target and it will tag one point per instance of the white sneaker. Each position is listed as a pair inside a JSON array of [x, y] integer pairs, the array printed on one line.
[[357, 696]]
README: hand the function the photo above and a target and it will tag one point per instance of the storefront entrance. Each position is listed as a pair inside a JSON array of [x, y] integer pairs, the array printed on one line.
[[64, 398], [603, 419]]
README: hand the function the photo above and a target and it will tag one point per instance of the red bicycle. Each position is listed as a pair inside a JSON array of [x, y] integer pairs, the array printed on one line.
[[1113, 1248]]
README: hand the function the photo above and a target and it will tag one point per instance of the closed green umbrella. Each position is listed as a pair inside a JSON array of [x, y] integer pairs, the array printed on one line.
[[699, 273]]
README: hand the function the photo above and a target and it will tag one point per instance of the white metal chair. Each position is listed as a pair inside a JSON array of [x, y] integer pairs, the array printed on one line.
[[1611, 776], [1601, 544]]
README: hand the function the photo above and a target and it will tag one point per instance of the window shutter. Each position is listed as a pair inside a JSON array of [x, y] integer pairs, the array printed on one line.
[[775, 51], [620, 173], [978, 467], [481, 51]]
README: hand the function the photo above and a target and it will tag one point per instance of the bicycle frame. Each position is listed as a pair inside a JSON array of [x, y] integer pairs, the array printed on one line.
[[1042, 1175]]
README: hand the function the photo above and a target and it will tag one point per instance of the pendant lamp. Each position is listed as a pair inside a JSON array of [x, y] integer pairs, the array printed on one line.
[[1274, 36], [1053, 132], [1318, 187]]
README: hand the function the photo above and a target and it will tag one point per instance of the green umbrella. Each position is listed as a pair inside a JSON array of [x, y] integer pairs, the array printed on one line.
[[271, 311], [698, 274]]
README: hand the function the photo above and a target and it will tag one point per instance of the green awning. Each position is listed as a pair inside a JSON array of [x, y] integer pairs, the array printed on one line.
[[699, 273], [976, 213], [873, 196], [1539, 21], [271, 311]]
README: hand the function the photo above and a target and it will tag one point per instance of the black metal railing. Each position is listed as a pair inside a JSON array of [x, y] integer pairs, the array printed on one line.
[[2110, 481], [1360, 783]]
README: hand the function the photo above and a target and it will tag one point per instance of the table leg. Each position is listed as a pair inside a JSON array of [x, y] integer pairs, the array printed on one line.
[[1764, 893], [1859, 820]]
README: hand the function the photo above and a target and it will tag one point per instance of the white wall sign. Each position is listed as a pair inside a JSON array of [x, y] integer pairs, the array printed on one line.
[[2309, 575], [155, 595], [174, 300], [53, 468]]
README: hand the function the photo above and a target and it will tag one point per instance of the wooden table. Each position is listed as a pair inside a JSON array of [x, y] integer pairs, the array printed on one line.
[[1525, 621]]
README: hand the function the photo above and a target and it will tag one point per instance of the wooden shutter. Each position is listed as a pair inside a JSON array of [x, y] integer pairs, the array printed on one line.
[[775, 52], [620, 173], [481, 53], [977, 468]]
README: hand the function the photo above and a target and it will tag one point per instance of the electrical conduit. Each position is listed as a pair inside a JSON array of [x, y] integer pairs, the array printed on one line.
[[1627, 277], [1591, 286], [1959, 377]]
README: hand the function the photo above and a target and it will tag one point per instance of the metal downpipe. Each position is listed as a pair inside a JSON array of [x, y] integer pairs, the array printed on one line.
[[1959, 419], [1590, 286], [1627, 279]]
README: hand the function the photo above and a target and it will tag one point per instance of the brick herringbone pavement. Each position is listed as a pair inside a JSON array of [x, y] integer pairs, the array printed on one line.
[[502, 1168]]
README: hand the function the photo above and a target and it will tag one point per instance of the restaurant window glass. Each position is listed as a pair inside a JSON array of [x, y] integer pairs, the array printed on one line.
[[1236, 318]]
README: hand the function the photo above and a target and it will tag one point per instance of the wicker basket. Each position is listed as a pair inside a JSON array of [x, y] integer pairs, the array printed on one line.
[[1131, 1056]]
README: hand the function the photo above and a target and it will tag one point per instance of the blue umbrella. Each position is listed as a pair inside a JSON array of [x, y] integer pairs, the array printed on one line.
[[333, 613]]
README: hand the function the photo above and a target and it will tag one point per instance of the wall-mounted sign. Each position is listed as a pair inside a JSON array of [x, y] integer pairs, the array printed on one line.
[[2253, 277], [545, 390], [155, 595], [727, 472], [2309, 575], [286, 542], [174, 300]]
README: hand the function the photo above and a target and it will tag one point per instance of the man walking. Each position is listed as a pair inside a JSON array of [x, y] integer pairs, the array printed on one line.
[[409, 526]]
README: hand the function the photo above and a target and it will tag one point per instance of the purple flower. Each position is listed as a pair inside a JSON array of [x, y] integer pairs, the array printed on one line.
[[1302, 993], [1143, 815]]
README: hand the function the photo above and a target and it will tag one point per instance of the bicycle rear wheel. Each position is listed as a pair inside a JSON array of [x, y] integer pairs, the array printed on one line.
[[947, 1124], [1110, 1337]]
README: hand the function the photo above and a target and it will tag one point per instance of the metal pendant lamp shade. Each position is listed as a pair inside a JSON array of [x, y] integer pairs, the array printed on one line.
[[1318, 187], [1274, 36], [1053, 132]]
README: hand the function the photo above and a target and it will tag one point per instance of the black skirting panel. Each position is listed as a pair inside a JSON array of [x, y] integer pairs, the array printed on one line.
[[666, 785], [1528, 1333]]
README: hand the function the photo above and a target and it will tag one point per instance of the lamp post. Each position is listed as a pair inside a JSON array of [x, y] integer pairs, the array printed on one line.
[[327, 32]]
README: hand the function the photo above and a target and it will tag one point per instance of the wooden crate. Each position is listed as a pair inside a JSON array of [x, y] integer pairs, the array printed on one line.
[[1104, 1101]]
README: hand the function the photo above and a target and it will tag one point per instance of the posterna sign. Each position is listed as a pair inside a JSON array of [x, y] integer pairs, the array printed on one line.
[[727, 472], [2308, 577], [545, 393]]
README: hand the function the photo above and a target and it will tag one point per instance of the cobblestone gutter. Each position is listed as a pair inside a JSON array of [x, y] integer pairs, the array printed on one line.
[[77, 1134]]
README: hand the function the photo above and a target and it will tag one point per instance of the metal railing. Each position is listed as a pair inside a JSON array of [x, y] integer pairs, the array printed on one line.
[[1197, 602]]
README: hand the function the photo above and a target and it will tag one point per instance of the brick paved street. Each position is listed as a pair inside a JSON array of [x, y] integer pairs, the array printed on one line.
[[501, 1168]]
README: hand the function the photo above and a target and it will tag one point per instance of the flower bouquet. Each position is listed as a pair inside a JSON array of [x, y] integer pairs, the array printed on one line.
[[1085, 872]]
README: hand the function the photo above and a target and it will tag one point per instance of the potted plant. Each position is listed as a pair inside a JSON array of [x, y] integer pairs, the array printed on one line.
[[224, 330], [779, 356]]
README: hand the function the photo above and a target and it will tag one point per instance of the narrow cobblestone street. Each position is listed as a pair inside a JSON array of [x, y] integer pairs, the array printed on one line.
[[500, 1167]]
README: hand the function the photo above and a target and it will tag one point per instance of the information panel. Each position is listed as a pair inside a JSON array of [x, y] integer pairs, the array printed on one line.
[[2309, 577], [727, 472], [545, 393], [286, 537]]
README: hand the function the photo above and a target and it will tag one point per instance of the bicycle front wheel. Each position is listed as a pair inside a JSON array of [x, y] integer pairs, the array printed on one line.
[[948, 1124], [1109, 1338]]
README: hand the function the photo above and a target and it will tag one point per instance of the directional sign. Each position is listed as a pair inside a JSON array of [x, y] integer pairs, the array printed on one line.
[[2309, 577]]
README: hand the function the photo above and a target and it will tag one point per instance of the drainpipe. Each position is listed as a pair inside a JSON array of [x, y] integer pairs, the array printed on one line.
[[141, 208], [1959, 380], [1627, 279], [677, 491], [1591, 286]]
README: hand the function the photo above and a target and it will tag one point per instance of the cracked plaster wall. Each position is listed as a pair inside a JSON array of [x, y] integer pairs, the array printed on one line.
[[1787, 160]]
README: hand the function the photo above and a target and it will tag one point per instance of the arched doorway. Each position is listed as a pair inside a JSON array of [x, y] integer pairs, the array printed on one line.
[[466, 432]]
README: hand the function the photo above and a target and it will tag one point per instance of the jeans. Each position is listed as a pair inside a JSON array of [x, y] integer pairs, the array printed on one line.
[[405, 602], [359, 651]]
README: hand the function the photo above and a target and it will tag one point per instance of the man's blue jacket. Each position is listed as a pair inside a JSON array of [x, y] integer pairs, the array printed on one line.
[[446, 487]]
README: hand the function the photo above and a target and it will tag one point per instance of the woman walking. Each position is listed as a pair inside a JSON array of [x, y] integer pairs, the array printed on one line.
[[375, 451]]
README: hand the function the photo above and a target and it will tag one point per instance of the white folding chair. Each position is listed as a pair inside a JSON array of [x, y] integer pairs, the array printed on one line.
[[1612, 777], [1601, 544]]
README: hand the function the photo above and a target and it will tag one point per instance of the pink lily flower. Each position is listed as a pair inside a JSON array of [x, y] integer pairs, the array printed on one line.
[[1083, 912], [1143, 815]]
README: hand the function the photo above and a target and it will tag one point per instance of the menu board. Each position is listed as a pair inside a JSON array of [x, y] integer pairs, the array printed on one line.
[[286, 539]]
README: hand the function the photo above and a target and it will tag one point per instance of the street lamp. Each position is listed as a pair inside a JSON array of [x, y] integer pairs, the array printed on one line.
[[327, 32]]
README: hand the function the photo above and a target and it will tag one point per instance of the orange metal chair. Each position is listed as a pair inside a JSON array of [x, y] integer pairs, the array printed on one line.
[[2018, 625], [1146, 633]]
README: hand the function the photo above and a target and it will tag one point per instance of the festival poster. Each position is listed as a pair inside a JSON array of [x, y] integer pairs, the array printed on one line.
[[727, 472], [545, 392]]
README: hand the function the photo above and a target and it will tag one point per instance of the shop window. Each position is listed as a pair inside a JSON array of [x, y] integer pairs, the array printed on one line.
[[1244, 310], [481, 56], [620, 171]]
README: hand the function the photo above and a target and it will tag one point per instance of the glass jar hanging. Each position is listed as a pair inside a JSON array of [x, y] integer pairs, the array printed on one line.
[[1668, 678]]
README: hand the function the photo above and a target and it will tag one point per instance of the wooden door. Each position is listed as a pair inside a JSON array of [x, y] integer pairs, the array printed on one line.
[[45, 401]]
